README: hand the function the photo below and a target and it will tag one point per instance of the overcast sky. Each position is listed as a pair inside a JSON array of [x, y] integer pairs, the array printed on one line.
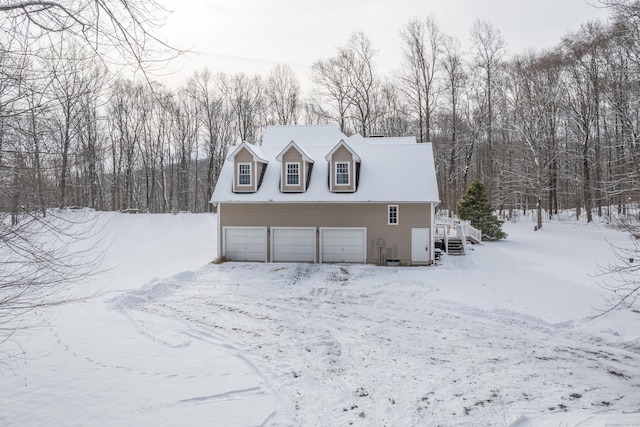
[[255, 35]]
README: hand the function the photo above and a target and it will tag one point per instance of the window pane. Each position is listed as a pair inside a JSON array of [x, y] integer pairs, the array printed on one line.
[[342, 173], [293, 174], [393, 214], [244, 174]]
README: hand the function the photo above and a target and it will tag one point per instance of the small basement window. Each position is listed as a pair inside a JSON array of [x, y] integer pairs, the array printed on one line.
[[393, 215], [293, 173], [244, 173], [342, 173]]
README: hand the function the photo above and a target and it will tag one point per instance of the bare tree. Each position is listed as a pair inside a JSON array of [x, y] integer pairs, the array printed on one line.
[[40, 259], [75, 78], [37, 254], [357, 58], [392, 112], [350, 85], [129, 109], [422, 48], [454, 83], [121, 32], [245, 95], [215, 117], [583, 105], [489, 50], [330, 75], [185, 135], [622, 278], [535, 100], [282, 91]]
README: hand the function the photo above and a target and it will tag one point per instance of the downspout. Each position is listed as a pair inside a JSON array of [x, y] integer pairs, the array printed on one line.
[[219, 226], [432, 234]]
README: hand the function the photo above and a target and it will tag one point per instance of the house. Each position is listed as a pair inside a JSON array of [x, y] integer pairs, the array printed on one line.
[[312, 194]]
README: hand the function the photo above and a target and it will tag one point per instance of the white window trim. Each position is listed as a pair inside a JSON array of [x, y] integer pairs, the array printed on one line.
[[348, 183], [250, 175], [286, 174], [389, 207]]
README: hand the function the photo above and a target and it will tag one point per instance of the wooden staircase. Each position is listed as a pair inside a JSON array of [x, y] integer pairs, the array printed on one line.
[[455, 246]]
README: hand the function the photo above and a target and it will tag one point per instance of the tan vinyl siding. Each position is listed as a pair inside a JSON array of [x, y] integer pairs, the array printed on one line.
[[293, 156], [372, 216], [343, 155], [259, 167]]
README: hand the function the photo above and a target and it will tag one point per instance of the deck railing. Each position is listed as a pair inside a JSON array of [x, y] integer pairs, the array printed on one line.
[[444, 227], [471, 232]]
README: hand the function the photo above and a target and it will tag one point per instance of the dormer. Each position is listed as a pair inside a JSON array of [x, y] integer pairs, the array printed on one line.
[[249, 166], [295, 170], [344, 168]]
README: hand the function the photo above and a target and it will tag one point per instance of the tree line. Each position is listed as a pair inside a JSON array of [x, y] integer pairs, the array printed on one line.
[[543, 130]]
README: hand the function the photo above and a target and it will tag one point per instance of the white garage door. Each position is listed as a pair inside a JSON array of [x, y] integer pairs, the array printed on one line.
[[343, 245], [293, 244], [245, 243]]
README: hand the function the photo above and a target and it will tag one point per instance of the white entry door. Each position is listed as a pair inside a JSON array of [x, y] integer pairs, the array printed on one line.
[[420, 245], [343, 245], [293, 244]]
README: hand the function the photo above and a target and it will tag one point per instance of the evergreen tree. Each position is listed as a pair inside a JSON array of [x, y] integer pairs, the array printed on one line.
[[475, 208]]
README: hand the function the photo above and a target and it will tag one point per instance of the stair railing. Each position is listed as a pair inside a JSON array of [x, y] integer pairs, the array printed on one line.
[[442, 232], [472, 232], [462, 237]]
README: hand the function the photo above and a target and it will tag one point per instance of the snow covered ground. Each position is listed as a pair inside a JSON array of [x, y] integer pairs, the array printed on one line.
[[504, 336]]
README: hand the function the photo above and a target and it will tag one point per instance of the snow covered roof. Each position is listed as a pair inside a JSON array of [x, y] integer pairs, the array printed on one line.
[[304, 136], [391, 170], [304, 154], [255, 151], [345, 145]]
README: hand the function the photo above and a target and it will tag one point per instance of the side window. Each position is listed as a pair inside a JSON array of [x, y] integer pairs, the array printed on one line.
[[244, 173], [393, 215], [293, 173], [342, 173]]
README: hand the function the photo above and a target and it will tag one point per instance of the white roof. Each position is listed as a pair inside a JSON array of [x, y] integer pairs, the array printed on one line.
[[397, 171], [255, 151], [304, 154], [342, 143], [304, 136]]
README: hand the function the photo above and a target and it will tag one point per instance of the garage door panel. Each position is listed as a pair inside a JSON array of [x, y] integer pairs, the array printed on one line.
[[343, 245], [293, 244], [245, 243]]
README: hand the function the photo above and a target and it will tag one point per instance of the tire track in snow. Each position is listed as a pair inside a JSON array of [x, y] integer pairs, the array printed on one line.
[[335, 349]]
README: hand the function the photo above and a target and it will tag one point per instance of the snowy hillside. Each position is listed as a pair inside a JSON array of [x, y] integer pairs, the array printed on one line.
[[503, 336]]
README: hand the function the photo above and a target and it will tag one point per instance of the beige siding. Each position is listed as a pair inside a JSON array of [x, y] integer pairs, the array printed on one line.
[[259, 167], [244, 156], [343, 155], [292, 156], [373, 216]]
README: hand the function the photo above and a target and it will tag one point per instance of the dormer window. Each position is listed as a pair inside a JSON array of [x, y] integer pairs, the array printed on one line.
[[344, 168], [293, 173], [244, 174], [342, 173], [250, 165]]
